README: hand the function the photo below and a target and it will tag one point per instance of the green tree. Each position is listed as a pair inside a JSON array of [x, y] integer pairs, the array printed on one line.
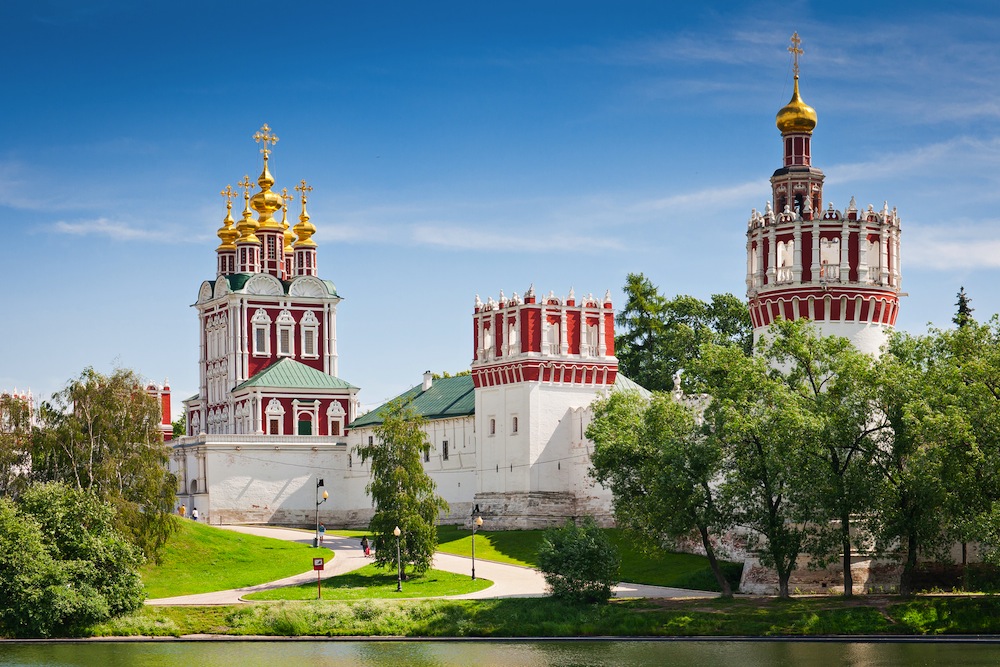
[[402, 492], [661, 336], [660, 468], [579, 562], [101, 433], [15, 443], [833, 382], [759, 425], [179, 426], [964, 314], [63, 564], [914, 454]]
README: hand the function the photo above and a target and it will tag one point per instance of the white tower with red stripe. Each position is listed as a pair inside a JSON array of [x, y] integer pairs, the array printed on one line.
[[839, 269], [538, 364]]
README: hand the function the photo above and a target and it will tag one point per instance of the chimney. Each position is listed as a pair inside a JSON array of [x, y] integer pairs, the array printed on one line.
[[428, 380]]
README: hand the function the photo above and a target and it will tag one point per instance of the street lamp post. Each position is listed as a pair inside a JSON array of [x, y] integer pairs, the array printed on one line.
[[319, 483], [477, 523], [399, 563]]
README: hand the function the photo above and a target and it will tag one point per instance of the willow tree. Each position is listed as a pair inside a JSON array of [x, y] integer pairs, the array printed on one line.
[[402, 492]]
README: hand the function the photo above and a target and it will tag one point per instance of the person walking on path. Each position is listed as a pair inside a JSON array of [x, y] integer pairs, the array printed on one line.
[[194, 513], [322, 532], [366, 546]]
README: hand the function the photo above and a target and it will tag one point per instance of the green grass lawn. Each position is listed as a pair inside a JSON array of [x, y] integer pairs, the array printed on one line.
[[373, 582], [653, 566], [200, 559]]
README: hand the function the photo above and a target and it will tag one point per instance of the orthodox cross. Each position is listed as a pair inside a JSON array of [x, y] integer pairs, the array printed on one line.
[[229, 194], [264, 135], [303, 188], [247, 186], [286, 197], [795, 49]]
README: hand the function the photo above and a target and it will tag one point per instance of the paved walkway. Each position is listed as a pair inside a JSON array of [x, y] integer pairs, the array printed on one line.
[[508, 580]]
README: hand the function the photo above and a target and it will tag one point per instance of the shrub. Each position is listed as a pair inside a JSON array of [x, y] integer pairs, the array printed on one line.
[[63, 566], [579, 562]]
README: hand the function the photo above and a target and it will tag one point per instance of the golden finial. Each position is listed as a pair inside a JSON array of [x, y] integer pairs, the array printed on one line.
[[289, 236], [795, 49], [247, 225], [264, 135], [226, 233], [796, 117], [305, 229]]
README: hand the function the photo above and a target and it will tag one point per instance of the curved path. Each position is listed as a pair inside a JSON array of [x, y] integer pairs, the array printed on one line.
[[508, 580]]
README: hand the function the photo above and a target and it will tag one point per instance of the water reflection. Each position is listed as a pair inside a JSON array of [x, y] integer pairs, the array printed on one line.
[[496, 654]]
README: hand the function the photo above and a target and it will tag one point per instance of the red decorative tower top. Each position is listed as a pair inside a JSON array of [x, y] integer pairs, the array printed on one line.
[[551, 340], [839, 269]]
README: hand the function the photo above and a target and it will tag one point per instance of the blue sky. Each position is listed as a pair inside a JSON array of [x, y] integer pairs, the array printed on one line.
[[461, 148]]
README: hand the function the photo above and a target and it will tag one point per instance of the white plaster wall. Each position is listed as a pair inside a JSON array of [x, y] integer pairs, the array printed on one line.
[[867, 338]]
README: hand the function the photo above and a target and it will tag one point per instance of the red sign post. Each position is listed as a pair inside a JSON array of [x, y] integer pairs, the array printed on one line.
[[318, 565]]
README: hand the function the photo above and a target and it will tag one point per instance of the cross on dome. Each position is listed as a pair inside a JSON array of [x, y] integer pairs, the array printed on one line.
[[795, 49], [264, 135]]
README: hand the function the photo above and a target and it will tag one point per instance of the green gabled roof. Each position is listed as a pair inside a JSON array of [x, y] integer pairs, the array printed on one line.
[[623, 383], [447, 397], [237, 280], [290, 374]]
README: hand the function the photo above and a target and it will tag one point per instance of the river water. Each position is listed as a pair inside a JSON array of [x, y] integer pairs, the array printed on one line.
[[572, 653]]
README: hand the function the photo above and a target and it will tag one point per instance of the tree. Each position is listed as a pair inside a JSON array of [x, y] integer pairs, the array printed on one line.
[[834, 383], [15, 443], [660, 468], [913, 455], [759, 425], [179, 426], [661, 336], [579, 562], [964, 314], [401, 491], [101, 433], [63, 564]]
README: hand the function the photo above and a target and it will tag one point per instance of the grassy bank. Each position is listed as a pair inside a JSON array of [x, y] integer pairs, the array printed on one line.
[[199, 559], [543, 617], [641, 564], [371, 582]]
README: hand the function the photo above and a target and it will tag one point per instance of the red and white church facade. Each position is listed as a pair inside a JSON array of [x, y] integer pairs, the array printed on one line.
[[272, 421]]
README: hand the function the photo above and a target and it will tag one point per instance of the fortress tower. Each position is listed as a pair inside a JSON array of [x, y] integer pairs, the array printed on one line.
[[839, 269], [538, 364]]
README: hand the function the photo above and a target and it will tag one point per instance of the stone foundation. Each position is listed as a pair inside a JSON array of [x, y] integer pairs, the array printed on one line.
[[536, 510], [870, 576]]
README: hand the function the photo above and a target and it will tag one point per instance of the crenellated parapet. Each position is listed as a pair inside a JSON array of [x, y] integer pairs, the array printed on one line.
[[553, 339]]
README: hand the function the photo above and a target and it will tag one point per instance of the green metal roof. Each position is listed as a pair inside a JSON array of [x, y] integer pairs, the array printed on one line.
[[447, 397], [237, 281], [290, 374], [623, 383]]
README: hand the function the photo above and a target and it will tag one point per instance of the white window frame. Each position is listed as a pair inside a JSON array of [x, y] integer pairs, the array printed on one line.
[[513, 424], [275, 411], [261, 323], [309, 330], [335, 415], [285, 333]]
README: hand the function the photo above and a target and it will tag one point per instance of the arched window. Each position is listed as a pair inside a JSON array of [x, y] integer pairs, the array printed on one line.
[[335, 418], [309, 327], [286, 341], [261, 325]]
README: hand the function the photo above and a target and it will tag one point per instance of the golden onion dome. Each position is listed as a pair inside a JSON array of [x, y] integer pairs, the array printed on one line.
[[796, 116]]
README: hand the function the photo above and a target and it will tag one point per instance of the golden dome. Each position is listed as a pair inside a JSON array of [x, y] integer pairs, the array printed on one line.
[[796, 116]]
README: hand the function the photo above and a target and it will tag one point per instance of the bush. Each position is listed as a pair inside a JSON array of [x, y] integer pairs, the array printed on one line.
[[579, 562], [63, 565]]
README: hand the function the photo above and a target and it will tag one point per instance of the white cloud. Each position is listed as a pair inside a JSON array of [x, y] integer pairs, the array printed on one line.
[[118, 231], [965, 246]]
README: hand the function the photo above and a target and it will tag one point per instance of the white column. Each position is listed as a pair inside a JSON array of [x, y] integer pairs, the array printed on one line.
[[815, 252], [797, 254]]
